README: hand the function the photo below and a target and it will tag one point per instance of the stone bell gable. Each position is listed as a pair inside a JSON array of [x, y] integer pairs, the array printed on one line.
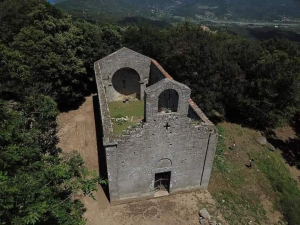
[[167, 96]]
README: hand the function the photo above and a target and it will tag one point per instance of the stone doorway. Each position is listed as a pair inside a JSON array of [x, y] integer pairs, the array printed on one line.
[[162, 184]]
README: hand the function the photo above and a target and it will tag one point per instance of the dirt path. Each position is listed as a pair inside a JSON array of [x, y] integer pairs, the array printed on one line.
[[77, 131], [177, 209]]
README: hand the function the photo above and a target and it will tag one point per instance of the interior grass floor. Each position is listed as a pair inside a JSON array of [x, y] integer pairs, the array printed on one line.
[[133, 110]]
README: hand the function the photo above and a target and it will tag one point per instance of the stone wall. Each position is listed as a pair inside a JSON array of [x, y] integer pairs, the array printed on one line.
[[156, 73], [126, 83], [154, 91], [124, 58], [136, 158], [106, 124], [164, 142]]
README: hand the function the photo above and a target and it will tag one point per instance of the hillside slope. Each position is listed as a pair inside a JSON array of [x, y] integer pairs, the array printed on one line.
[[264, 194], [269, 10]]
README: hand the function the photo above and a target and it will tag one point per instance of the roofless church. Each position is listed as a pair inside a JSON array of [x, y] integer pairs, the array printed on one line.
[[170, 149]]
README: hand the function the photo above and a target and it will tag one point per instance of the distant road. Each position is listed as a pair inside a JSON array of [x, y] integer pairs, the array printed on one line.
[[253, 23]]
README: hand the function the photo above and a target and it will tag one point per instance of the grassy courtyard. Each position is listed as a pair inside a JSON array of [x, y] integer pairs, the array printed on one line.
[[132, 111]]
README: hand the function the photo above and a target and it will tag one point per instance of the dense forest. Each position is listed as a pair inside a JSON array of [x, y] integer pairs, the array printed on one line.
[[46, 66]]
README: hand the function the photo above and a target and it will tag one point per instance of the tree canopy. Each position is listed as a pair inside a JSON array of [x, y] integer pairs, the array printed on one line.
[[42, 66], [257, 82]]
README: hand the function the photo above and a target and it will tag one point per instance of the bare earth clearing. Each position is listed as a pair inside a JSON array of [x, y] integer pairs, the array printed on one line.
[[77, 131]]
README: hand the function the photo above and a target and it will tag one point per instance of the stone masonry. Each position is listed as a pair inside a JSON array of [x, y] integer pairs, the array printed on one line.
[[175, 137]]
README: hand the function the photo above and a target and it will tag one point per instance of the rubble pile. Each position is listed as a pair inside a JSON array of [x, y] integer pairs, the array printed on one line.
[[205, 218]]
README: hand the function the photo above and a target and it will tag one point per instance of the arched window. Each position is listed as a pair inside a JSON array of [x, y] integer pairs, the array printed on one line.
[[126, 83], [168, 101]]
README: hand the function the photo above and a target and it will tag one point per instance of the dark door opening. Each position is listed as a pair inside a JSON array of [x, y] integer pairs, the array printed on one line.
[[162, 181]]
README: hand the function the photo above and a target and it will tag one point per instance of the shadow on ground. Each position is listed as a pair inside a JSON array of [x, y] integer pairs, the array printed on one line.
[[101, 150], [74, 105], [290, 149], [75, 102]]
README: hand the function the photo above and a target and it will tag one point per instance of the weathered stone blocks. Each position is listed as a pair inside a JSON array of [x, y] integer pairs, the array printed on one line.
[[176, 138]]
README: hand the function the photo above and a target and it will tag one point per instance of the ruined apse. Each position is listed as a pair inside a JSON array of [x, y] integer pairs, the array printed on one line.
[[173, 147]]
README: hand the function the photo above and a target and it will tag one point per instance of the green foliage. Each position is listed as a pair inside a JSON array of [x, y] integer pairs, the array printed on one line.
[[97, 42], [37, 182], [147, 40], [46, 48], [49, 53], [41, 65], [257, 82]]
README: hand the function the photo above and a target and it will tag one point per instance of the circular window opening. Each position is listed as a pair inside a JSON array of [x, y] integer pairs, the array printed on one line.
[[126, 83]]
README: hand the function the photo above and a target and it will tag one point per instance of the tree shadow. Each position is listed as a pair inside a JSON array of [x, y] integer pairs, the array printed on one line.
[[238, 119], [75, 104], [216, 119], [67, 105], [101, 150], [296, 124], [290, 149]]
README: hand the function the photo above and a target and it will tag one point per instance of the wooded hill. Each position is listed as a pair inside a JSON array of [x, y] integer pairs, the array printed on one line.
[[46, 66]]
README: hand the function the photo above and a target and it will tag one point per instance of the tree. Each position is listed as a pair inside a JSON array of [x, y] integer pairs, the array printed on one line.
[[273, 94], [147, 40], [37, 181], [254, 82], [40, 66], [97, 42]]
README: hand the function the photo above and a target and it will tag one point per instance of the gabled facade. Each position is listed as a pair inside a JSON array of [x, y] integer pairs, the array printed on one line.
[[173, 147]]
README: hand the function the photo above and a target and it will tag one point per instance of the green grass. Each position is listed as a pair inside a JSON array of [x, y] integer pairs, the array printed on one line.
[[235, 198], [272, 165], [238, 190], [130, 109]]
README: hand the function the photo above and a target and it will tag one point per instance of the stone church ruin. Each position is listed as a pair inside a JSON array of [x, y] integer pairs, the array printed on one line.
[[171, 149]]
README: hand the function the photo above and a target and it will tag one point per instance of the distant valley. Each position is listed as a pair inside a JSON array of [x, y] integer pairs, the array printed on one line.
[[281, 11]]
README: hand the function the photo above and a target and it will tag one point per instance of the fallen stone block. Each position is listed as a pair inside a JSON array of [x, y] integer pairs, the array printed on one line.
[[204, 213], [203, 222], [271, 147], [262, 141]]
